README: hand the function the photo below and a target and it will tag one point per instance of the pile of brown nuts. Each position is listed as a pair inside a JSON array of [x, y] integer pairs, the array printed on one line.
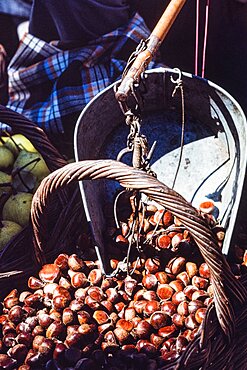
[[73, 317]]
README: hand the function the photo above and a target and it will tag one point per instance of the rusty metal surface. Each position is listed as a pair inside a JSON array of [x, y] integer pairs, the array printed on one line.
[[214, 153]]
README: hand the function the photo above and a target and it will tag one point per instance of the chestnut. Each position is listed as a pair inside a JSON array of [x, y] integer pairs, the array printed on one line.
[[112, 295], [121, 335], [146, 347], [95, 276], [200, 314], [149, 281], [162, 277], [80, 293], [159, 319], [101, 317], [25, 338], [181, 343], [46, 347], [150, 308], [73, 339], [204, 271], [18, 352], [168, 307], [78, 304], [199, 282], [83, 317], [190, 322], [107, 305], [55, 329], [65, 283], [167, 331], [178, 320], [199, 294], [78, 279], [178, 297], [7, 362], [11, 302], [150, 295], [176, 265], [189, 290], [96, 293], [68, 316], [152, 265], [164, 291], [38, 330], [177, 285], [16, 314], [182, 308], [194, 305], [191, 269], [163, 241], [59, 302], [44, 319], [37, 342], [62, 261], [49, 289], [75, 263], [49, 273], [143, 329], [184, 277], [9, 339], [124, 324], [156, 340], [34, 283], [33, 300]]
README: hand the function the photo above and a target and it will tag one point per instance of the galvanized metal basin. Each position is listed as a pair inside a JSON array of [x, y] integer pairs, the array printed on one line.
[[214, 153]]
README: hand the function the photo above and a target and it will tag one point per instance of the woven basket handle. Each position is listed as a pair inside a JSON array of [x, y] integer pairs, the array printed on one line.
[[35, 134], [227, 288]]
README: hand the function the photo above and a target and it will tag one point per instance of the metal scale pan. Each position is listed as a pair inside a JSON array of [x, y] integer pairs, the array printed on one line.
[[214, 152]]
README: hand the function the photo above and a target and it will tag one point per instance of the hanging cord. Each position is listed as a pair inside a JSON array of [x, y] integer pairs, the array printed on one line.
[[179, 86], [204, 40], [197, 35]]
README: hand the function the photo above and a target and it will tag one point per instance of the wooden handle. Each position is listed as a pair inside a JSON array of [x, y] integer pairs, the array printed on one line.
[[143, 59]]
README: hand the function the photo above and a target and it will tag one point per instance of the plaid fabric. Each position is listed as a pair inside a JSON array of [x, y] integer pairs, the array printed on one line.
[[47, 84]]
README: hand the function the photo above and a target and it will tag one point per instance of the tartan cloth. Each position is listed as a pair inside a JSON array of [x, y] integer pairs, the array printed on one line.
[[48, 84]]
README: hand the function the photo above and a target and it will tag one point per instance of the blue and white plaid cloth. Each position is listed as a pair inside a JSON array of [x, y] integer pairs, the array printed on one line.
[[47, 84]]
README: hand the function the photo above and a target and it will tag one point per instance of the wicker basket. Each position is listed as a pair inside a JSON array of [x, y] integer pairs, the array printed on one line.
[[221, 342], [17, 260]]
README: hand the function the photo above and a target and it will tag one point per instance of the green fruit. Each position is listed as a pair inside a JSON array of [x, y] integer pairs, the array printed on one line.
[[18, 142], [4, 179], [26, 160], [17, 208], [8, 230], [6, 157]]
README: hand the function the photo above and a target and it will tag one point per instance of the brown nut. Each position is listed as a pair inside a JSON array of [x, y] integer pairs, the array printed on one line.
[[75, 263], [49, 273], [164, 291], [159, 319], [62, 261]]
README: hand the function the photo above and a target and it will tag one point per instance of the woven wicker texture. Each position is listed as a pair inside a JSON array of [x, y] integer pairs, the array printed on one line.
[[17, 260], [221, 343]]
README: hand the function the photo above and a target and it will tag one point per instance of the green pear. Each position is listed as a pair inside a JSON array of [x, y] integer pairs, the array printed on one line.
[[8, 230], [4, 180], [17, 208], [6, 158], [31, 162], [18, 142]]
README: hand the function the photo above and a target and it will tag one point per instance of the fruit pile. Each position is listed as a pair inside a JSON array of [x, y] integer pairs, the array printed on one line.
[[73, 317], [21, 170]]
